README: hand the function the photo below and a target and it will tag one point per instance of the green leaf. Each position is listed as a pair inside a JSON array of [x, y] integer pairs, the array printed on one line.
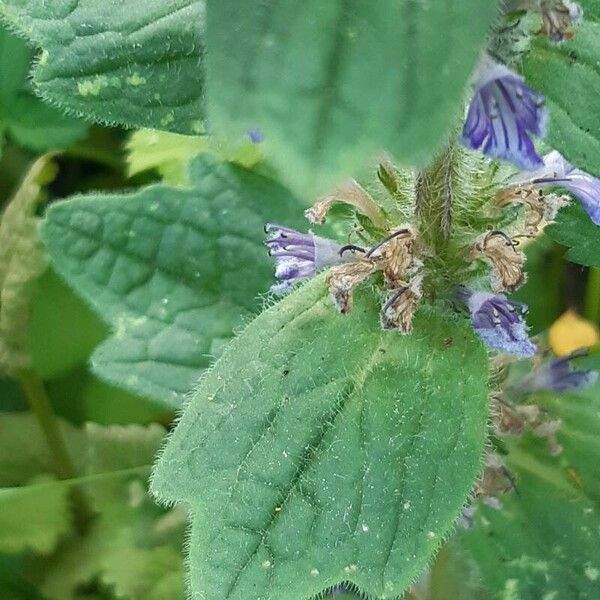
[[574, 229], [320, 449], [544, 541], [569, 76], [170, 153], [21, 263], [174, 271], [31, 123], [131, 62], [133, 546], [24, 451], [33, 518], [332, 84]]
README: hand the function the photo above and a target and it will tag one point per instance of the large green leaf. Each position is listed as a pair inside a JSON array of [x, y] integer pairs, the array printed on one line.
[[320, 449], [569, 76], [118, 61], [544, 541], [174, 271], [331, 84], [574, 229]]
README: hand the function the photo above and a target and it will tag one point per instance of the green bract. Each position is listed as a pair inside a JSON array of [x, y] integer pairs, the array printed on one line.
[[320, 449], [173, 270]]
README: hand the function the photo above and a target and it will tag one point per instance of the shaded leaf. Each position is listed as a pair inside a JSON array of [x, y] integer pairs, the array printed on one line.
[[574, 229], [544, 541], [331, 84], [569, 77], [174, 271], [321, 449], [33, 517], [118, 61]]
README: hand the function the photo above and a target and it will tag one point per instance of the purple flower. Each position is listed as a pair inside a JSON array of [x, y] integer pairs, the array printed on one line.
[[558, 376], [256, 136], [555, 170], [503, 115], [299, 255], [498, 322]]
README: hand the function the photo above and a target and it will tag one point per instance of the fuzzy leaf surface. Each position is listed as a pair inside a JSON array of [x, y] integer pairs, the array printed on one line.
[[130, 62], [320, 449], [544, 541], [574, 229], [173, 270], [569, 76], [331, 84]]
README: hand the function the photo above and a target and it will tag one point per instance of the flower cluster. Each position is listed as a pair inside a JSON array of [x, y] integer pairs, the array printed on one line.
[[503, 119]]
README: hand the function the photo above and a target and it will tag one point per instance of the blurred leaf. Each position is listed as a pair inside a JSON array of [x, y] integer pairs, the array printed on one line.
[[21, 263], [23, 449], [544, 541], [32, 123], [63, 331], [336, 452], [170, 153], [544, 287], [120, 61], [174, 271], [574, 229], [133, 546], [568, 75], [331, 84], [33, 517]]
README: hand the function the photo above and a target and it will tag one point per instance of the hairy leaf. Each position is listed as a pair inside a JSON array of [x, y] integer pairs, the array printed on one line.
[[321, 449], [21, 263], [569, 77], [118, 61], [544, 541], [331, 84], [31, 122], [174, 271], [574, 229]]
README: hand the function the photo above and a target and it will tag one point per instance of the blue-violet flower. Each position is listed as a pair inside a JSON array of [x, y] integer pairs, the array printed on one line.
[[556, 171], [558, 376], [503, 115], [299, 256], [498, 321]]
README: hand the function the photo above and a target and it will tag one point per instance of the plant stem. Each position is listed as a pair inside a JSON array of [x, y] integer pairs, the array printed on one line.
[[591, 309], [40, 405], [64, 468]]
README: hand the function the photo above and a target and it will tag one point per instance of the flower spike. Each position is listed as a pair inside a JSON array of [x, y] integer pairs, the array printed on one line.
[[503, 115]]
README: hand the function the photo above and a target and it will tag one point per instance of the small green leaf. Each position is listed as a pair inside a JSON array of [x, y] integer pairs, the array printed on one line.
[[543, 543], [568, 75], [174, 271], [574, 229], [331, 84], [320, 448], [21, 263], [33, 518], [131, 62]]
